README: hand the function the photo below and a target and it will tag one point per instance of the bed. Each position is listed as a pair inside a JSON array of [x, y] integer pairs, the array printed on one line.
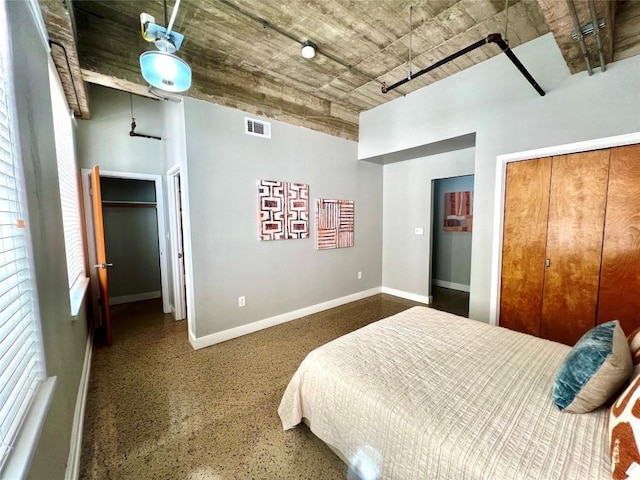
[[428, 395]]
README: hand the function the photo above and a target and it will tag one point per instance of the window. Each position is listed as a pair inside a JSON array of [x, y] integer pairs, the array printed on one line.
[[21, 360], [69, 195]]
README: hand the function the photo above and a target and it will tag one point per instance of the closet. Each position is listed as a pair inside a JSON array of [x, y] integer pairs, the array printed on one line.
[[129, 209], [571, 243]]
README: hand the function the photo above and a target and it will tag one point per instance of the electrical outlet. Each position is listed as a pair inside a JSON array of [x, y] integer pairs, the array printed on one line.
[[419, 230], [359, 275], [241, 301]]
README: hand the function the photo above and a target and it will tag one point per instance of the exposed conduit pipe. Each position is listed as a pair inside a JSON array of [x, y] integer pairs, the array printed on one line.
[[133, 132], [73, 83], [491, 38], [596, 31], [578, 33]]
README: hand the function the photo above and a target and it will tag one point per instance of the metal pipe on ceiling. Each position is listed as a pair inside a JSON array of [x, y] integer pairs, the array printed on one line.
[[497, 38], [579, 35], [596, 32], [492, 38]]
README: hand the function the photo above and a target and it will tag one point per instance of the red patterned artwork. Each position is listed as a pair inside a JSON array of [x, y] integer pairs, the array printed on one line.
[[458, 211], [283, 210], [334, 221]]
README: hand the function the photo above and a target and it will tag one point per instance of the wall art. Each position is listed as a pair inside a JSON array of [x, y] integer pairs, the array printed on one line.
[[334, 224], [458, 211], [283, 210]]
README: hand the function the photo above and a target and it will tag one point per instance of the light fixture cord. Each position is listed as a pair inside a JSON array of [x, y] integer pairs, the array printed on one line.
[[174, 12], [131, 101], [506, 20]]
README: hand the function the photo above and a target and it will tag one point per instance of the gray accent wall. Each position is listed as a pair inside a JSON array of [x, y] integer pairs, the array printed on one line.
[[64, 337], [131, 240], [276, 277], [104, 140], [451, 254], [496, 103]]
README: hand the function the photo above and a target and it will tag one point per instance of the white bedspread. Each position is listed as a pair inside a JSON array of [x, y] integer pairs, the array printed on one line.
[[429, 395]]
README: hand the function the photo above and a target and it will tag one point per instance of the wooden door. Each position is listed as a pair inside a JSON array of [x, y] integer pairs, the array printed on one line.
[[523, 247], [620, 277], [574, 244], [101, 253]]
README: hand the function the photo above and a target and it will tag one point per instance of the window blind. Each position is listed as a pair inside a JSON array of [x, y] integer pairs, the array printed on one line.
[[21, 365], [68, 179]]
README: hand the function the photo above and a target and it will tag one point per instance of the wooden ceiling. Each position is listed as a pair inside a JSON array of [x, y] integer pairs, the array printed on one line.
[[245, 54]]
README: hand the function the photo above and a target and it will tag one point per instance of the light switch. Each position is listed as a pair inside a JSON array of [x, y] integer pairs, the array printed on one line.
[[419, 231]]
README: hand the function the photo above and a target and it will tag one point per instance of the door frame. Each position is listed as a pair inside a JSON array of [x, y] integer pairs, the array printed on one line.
[[91, 241], [498, 214], [176, 218], [434, 228]]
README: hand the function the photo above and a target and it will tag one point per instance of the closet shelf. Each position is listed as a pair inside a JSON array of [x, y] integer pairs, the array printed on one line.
[[124, 203]]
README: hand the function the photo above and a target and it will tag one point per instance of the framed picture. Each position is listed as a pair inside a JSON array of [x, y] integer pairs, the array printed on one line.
[[458, 211]]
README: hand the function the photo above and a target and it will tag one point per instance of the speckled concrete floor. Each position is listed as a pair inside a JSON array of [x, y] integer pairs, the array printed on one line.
[[157, 409]]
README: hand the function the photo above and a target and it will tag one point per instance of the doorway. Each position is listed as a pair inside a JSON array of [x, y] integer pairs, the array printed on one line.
[[176, 230], [452, 230], [134, 206]]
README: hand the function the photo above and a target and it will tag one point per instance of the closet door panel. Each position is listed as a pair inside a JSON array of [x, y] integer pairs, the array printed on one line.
[[523, 248], [574, 244], [620, 278]]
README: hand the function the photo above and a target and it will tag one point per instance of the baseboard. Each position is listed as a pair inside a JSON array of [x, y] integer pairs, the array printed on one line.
[[453, 286], [73, 462], [408, 295], [208, 340], [134, 298]]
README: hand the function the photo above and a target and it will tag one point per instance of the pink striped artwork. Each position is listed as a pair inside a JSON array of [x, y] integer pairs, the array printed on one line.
[[458, 211], [334, 224], [283, 209]]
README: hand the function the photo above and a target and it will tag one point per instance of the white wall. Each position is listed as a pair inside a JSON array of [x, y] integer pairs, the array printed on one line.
[[277, 277], [493, 100], [407, 205]]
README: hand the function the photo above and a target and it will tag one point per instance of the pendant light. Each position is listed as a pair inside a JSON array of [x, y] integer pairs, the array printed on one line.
[[161, 68]]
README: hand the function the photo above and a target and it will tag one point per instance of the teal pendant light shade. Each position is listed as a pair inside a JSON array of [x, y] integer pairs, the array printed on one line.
[[165, 71]]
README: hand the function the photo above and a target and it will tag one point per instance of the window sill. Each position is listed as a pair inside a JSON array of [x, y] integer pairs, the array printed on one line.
[[22, 450], [77, 295]]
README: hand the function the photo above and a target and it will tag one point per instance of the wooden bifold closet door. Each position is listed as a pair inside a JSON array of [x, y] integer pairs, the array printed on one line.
[[523, 248], [571, 245], [620, 277], [574, 245]]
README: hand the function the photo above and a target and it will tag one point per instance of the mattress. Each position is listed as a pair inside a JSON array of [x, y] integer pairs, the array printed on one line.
[[428, 395]]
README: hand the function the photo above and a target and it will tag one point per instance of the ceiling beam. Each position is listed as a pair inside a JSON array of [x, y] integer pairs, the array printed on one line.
[[627, 34], [59, 23]]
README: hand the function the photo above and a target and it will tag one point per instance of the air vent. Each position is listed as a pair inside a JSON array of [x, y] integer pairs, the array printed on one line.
[[257, 127]]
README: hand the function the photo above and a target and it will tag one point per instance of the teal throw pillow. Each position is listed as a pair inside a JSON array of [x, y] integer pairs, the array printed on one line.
[[595, 368]]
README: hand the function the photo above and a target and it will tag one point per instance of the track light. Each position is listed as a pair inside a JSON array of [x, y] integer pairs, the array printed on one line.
[[308, 49]]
